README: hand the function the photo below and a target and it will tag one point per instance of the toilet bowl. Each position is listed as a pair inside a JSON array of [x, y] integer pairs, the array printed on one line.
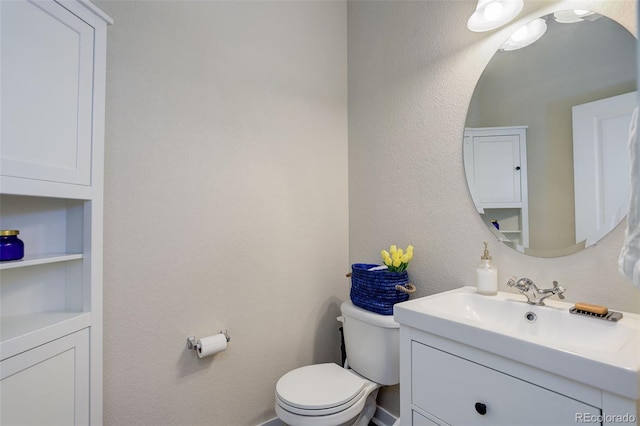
[[330, 395]]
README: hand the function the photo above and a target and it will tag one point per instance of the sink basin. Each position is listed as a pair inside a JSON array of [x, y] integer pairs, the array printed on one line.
[[593, 351]]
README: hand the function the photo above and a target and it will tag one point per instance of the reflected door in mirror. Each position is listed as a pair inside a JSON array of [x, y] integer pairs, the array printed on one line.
[[601, 165]]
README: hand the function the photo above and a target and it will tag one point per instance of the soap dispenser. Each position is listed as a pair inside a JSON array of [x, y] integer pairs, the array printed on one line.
[[486, 274]]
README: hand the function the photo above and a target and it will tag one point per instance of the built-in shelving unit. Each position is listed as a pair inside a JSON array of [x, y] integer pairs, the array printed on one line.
[[42, 295], [495, 161], [510, 221], [51, 190]]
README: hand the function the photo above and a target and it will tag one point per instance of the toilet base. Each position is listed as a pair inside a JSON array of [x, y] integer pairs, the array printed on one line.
[[369, 410]]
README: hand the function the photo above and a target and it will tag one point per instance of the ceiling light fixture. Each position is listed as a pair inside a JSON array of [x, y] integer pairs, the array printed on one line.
[[571, 16], [491, 14], [526, 35]]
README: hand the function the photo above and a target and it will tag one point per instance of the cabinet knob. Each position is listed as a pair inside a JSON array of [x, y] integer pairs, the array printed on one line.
[[481, 408], [517, 167]]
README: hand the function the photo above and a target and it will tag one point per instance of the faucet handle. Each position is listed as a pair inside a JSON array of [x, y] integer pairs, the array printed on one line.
[[512, 281], [559, 289]]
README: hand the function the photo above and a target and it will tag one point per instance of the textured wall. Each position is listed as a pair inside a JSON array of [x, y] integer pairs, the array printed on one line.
[[226, 203], [413, 67]]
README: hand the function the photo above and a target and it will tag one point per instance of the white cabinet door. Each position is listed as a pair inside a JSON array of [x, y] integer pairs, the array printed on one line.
[[48, 385], [461, 392], [47, 89], [495, 166]]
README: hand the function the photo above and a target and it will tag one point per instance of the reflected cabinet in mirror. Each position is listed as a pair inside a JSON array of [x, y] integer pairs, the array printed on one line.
[[546, 135]]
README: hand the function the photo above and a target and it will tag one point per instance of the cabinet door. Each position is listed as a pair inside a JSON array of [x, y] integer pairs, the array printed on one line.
[[48, 385], [461, 392], [46, 105], [496, 175]]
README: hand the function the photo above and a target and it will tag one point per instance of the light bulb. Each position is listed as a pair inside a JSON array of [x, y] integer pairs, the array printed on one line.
[[493, 11], [492, 14], [526, 35], [521, 34], [571, 16]]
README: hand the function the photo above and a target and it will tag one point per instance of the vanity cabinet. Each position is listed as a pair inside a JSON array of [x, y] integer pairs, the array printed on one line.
[[443, 382], [52, 67], [495, 161]]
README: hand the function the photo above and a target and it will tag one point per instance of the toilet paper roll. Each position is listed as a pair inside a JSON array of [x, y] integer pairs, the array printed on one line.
[[211, 345]]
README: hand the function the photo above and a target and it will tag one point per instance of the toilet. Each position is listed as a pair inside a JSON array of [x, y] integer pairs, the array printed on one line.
[[330, 395]]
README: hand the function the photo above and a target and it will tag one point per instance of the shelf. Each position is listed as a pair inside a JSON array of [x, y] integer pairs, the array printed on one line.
[[23, 332], [40, 259], [511, 231]]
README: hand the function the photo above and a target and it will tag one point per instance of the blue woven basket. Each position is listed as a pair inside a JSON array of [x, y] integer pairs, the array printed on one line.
[[376, 291]]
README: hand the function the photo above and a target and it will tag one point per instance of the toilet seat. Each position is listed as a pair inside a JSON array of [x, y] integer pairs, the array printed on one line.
[[319, 390]]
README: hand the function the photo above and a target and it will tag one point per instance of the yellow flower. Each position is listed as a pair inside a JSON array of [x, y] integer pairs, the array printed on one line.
[[396, 259], [410, 251]]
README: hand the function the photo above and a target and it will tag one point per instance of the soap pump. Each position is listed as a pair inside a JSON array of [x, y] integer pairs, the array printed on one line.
[[486, 274]]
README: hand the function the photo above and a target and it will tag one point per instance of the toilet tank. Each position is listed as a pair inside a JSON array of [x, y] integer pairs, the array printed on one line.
[[372, 342]]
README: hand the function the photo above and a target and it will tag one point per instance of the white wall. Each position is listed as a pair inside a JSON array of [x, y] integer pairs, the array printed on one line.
[[413, 67], [226, 203]]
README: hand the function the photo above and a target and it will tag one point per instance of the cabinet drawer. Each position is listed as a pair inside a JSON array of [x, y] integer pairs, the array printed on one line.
[[458, 391]]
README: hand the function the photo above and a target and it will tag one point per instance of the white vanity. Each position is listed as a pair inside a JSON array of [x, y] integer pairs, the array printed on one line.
[[468, 359]]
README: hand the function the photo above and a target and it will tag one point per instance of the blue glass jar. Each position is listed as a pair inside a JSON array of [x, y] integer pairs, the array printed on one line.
[[11, 247]]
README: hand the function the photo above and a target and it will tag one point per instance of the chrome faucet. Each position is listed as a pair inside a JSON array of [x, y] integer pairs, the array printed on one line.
[[534, 295]]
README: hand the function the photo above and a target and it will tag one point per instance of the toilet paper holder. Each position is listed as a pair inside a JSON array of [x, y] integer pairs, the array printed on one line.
[[191, 340]]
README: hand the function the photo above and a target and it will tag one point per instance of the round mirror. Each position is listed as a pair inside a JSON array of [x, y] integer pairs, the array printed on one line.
[[545, 142]]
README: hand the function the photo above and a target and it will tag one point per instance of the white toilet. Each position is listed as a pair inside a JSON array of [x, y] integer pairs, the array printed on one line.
[[329, 395]]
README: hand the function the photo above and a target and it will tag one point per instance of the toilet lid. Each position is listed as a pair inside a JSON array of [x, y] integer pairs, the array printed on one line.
[[319, 386]]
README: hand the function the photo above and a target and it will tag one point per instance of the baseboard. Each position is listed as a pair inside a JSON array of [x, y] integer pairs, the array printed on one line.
[[381, 418]]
